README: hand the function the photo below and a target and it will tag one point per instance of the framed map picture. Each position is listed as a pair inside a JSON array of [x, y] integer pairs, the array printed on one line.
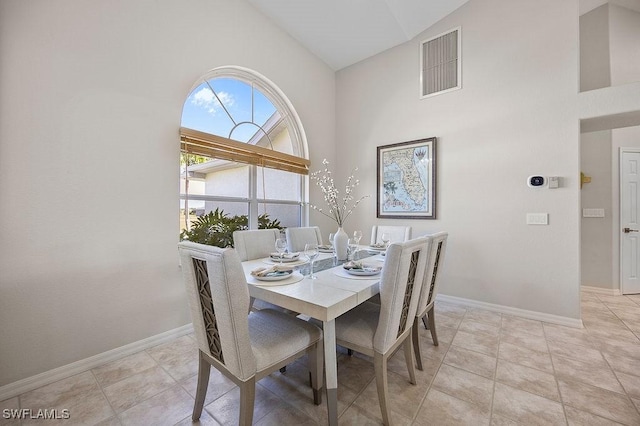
[[407, 180]]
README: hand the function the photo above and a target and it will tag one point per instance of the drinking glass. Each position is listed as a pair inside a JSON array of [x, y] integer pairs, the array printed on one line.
[[281, 247], [311, 251], [357, 235], [385, 238], [331, 236], [352, 246]]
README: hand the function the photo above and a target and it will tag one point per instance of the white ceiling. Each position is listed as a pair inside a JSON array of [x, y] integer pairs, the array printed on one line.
[[343, 32]]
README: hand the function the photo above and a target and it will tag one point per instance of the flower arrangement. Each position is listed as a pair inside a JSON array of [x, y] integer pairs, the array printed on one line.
[[339, 209]]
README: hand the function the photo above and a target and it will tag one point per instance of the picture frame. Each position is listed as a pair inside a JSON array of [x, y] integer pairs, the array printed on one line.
[[406, 180]]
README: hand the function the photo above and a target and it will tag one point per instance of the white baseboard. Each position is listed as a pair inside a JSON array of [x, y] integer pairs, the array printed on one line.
[[539, 316], [600, 290], [42, 379]]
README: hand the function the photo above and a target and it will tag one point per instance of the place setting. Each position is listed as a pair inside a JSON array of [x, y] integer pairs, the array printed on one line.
[[381, 247], [359, 269], [281, 256], [274, 275]]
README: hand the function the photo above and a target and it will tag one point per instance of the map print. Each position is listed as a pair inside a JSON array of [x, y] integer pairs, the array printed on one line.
[[406, 180]]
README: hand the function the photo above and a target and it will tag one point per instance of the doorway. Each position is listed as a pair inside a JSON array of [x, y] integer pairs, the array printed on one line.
[[629, 232]]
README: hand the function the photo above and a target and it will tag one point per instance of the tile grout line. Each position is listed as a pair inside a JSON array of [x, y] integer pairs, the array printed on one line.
[[116, 415], [613, 370], [424, 398], [555, 377]]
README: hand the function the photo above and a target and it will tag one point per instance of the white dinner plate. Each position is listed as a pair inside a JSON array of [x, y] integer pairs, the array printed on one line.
[[364, 271], [274, 276], [376, 248], [325, 249]]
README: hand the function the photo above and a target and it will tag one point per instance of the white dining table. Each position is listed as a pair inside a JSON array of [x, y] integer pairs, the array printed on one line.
[[325, 298]]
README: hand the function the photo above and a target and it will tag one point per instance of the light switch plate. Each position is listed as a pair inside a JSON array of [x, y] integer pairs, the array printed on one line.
[[537, 218], [592, 212]]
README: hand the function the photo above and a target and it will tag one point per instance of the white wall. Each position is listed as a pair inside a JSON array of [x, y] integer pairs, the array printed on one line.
[[596, 161], [595, 59], [609, 47], [516, 115], [624, 39], [92, 94]]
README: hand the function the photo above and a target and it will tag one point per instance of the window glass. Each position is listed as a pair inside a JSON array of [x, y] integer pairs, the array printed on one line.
[[287, 214], [278, 185], [236, 104]]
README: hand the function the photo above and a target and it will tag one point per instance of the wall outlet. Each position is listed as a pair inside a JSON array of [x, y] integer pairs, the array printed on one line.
[[537, 218], [592, 212]]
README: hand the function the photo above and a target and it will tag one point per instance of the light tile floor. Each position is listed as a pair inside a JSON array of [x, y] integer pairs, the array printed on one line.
[[489, 369]]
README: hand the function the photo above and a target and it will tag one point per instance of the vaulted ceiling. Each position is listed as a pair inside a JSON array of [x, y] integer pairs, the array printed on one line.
[[343, 32]]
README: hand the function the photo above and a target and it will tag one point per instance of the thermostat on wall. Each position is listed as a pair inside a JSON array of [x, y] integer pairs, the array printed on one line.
[[536, 181]]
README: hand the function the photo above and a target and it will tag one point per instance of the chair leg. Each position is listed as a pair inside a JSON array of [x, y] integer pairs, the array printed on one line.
[[247, 400], [201, 391], [315, 355], [432, 325], [408, 356], [424, 321], [380, 366], [416, 343]]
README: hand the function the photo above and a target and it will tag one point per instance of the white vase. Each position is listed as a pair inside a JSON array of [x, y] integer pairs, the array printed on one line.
[[340, 243]]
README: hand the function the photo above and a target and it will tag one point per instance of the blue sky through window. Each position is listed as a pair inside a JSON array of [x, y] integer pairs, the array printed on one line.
[[202, 110]]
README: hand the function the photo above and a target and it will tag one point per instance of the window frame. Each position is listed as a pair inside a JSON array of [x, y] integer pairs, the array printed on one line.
[[296, 135]]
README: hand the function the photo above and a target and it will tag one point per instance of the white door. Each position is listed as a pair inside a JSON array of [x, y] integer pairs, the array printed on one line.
[[630, 221]]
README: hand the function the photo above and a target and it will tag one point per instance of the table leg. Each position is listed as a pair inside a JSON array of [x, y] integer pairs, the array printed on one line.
[[331, 370]]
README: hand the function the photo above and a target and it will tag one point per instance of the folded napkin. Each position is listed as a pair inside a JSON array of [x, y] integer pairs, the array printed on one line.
[[325, 247], [380, 245], [262, 272], [358, 265], [285, 255], [353, 265]]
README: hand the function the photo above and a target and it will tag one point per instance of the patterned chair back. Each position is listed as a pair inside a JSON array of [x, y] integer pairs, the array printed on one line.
[[400, 285], [432, 272], [219, 301]]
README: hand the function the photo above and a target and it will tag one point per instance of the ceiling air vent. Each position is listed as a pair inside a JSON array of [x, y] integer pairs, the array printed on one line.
[[440, 64]]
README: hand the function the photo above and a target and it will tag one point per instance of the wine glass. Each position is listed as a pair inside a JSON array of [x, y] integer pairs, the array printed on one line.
[[332, 237], [357, 235], [352, 246], [281, 247], [385, 239], [311, 251]]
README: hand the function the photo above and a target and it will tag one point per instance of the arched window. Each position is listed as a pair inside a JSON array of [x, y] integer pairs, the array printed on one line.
[[243, 151]]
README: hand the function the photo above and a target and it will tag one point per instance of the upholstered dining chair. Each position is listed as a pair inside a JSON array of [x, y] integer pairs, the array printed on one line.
[[397, 234], [297, 238], [255, 243], [245, 348], [429, 292], [378, 330]]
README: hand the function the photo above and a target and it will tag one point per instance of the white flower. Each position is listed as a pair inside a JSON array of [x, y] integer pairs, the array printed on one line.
[[338, 211]]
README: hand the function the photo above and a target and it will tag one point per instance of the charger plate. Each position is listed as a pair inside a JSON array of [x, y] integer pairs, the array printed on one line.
[[292, 279], [341, 272]]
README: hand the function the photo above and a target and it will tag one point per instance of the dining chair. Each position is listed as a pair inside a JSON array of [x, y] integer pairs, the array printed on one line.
[[255, 243], [297, 238], [244, 347], [377, 330], [397, 234], [429, 292]]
